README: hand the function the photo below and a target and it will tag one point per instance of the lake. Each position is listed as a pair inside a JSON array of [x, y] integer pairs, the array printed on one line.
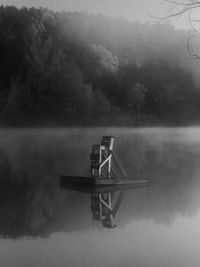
[[42, 224]]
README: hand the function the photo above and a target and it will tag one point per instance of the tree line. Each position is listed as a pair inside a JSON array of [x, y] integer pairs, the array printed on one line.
[[67, 69]]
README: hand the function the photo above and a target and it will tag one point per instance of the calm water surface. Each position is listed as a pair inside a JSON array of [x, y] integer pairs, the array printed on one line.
[[44, 225]]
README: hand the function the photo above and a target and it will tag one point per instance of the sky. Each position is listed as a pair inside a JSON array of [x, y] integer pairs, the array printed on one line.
[[133, 10]]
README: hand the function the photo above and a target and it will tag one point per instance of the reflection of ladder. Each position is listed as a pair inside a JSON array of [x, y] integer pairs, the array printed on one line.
[[105, 206]]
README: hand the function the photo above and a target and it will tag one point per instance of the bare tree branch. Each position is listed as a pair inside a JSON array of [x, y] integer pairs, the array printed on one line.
[[195, 30], [179, 7], [191, 51]]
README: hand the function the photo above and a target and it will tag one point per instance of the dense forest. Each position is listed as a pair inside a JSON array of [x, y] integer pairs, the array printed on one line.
[[67, 69]]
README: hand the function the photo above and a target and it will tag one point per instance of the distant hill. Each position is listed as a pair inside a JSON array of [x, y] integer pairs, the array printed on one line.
[[67, 69]]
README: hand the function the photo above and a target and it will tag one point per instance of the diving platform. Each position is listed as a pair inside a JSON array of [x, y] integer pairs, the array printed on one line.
[[105, 169]]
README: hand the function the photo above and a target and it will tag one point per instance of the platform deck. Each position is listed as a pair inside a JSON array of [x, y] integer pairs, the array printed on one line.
[[96, 189], [79, 180]]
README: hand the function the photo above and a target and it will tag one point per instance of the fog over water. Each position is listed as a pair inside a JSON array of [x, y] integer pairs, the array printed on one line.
[[42, 224]]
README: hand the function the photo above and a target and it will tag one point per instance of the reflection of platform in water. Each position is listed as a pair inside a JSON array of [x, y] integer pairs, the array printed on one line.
[[105, 200]]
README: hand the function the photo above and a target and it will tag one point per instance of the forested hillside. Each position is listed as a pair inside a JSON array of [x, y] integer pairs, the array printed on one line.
[[68, 69]]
